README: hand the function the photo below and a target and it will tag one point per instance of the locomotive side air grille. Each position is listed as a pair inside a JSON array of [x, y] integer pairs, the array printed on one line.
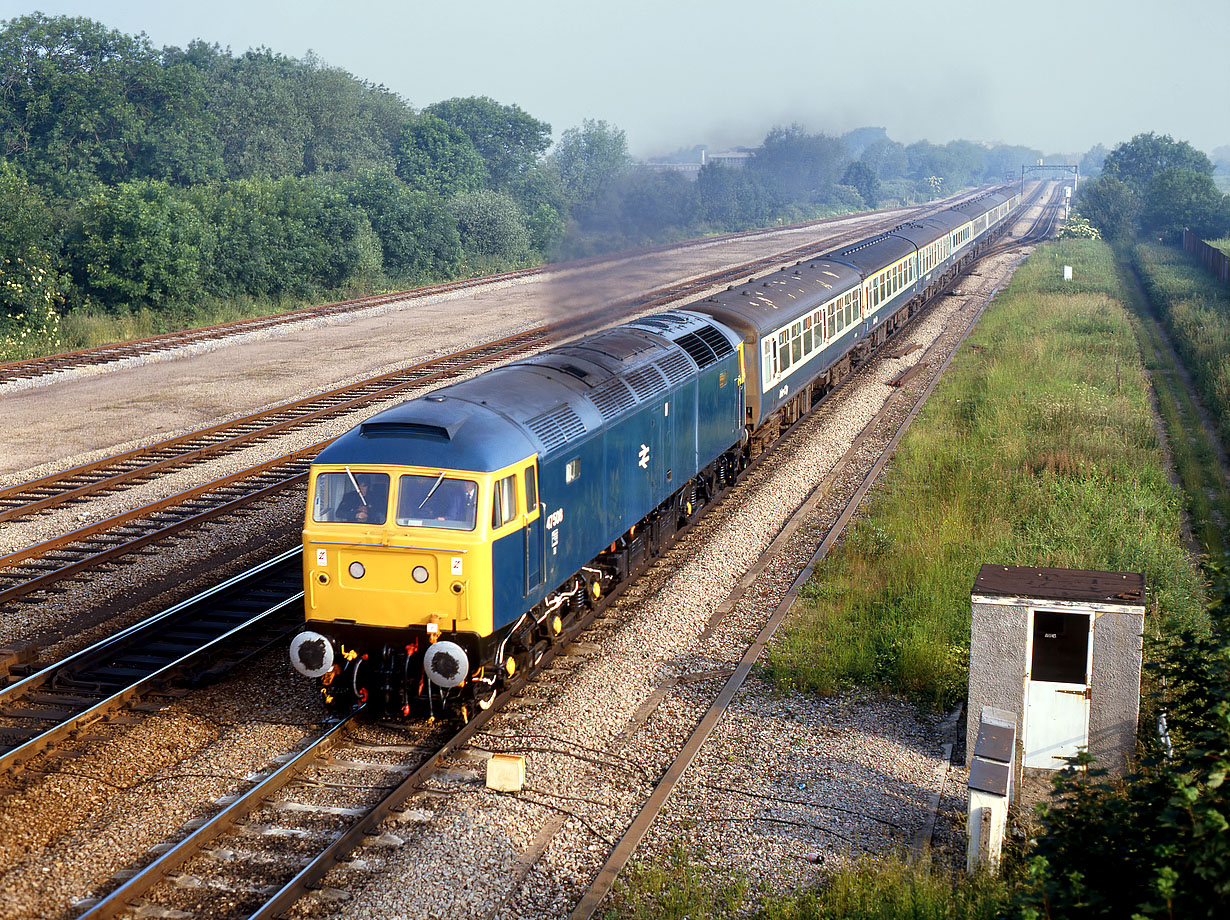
[[646, 382], [697, 348], [613, 399], [719, 343], [676, 367], [556, 427]]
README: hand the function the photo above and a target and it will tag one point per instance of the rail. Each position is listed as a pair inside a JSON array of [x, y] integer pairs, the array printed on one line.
[[217, 626]]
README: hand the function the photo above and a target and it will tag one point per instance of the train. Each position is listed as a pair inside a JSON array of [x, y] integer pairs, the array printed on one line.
[[450, 540]]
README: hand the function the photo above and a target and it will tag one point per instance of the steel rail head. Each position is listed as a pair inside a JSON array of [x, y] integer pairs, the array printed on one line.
[[118, 901], [104, 646], [14, 757]]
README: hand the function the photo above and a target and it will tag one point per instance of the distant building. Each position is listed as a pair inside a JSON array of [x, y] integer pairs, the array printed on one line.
[[735, 159], [732, 159]]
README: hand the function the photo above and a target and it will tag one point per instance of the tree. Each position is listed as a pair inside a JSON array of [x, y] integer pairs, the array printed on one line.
[[886, 159], [138, 245], [1137, 161], [417, 232], [30, 280], [1157, 843], [260, 128], [352, 124], [1178, 198], [509, 140], [588, 158], [80, 103], [1091, 163], [437, 157], [803, 167], [491, 225], [859, 175], [1110, 205], [274, 237], [733, 199]]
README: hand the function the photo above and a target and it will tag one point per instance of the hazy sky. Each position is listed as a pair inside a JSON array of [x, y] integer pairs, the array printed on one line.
[[672, 73]]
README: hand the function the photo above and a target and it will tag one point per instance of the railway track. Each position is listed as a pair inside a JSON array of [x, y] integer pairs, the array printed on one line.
[[889, 416], [262, 816], [137, 466], [205, 635]]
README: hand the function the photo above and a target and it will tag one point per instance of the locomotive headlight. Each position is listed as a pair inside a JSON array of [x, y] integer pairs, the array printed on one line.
[[357, 570], [419, 574]]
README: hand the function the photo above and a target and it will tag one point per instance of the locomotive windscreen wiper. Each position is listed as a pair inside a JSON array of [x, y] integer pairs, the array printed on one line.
[[435, 485], [354, 482]]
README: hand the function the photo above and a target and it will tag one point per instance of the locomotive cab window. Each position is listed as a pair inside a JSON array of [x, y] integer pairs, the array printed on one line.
[[572, 471], [504, 502], [433, 501], [351, 498], [531, 490]]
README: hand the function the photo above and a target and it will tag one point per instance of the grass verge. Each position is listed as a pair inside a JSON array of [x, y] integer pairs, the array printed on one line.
[[1038, 448], [675, 887], [1194, 453], [1196, 310]]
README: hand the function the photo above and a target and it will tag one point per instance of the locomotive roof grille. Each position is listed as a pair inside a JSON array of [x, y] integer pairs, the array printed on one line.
[[646, 382], [612, 399], [719, 343], [557, 427], [676, 368], [697, 348]]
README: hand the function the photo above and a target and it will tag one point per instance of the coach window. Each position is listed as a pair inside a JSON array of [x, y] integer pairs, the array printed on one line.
[[796, 343], [807, 335], [783, 349]]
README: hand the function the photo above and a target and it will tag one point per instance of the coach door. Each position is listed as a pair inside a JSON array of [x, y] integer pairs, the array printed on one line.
[[1057, 687], [535, 533]]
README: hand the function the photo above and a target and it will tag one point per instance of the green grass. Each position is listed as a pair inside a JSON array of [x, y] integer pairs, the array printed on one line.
[[1037, 448], [1196, 310], [894, 889], [677, 886], [1193, 450]]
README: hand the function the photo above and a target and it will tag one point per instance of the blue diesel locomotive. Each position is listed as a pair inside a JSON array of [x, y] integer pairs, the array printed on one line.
[[450, 539]]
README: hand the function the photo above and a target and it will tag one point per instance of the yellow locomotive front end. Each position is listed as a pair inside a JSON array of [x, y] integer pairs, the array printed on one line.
[[396, 547], [397, 585]]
